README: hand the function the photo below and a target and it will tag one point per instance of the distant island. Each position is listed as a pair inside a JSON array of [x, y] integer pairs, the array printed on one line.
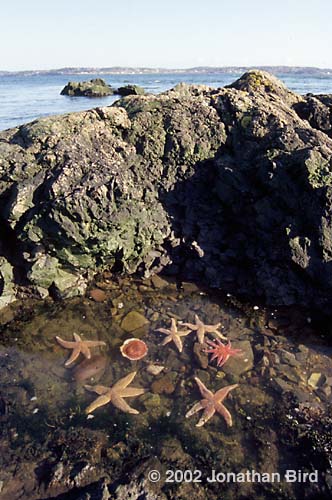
[[118, 70]]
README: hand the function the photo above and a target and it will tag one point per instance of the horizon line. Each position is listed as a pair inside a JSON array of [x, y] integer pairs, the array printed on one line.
[[169, 69]]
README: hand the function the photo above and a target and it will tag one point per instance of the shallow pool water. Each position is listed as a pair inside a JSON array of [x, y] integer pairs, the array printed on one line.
[[51, 448]]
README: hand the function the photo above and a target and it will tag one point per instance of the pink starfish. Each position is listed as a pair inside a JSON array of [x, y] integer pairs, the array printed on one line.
[[221, 352], [211, 403]]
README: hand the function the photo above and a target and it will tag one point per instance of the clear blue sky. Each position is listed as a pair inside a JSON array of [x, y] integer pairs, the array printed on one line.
[[42, 34]]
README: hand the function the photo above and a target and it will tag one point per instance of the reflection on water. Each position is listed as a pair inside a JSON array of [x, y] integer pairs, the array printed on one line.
[[280, 407]]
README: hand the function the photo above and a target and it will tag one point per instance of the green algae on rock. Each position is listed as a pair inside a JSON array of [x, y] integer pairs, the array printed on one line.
[[130, 90], [93, 88]]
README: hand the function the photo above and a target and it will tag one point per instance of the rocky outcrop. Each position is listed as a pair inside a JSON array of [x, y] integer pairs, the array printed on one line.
[[130, 90], [93, 88], [230, 186], [317, 110]]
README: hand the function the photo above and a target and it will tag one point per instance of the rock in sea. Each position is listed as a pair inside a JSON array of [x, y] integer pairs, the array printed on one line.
[[130, 90], [93, 88]]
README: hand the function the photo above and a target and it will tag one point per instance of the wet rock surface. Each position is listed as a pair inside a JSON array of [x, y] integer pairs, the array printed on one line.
[[231, 187], [50, 448]]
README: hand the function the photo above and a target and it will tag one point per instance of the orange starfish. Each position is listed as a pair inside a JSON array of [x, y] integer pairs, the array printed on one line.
[[221, 352], [211, 403], [79, 346], [173, 334], [202, 329], [115, 394]]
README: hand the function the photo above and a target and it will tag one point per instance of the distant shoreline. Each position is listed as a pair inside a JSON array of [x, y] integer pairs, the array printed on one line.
[[116, 70]]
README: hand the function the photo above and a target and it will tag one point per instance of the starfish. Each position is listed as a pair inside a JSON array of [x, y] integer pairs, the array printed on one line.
[[115, 394], [211, 403], [221, 352], [79, 346], [202, 329], [173, 335]]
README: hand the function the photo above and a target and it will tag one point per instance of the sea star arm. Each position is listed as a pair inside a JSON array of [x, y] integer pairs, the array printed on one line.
[[215, 355], [129, 392], [98, 389], [86, 344], [167, 340], [74, 355], [101, 401], [183, 333], [212, 343], [222, 360], [85, 350], [173, 325], [94, 343], [222, 410], [191, 326], [222, 393], [123, 382], [219, 334], [120, 403], [207, 414], [65, 343], [212, 328], [197, 407], [204, 390], [169, 331], [200, 334], [163, 330], [196, 325], [178, 342]]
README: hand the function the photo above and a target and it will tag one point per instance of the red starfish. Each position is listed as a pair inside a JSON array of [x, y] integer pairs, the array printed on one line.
[[221, 352]]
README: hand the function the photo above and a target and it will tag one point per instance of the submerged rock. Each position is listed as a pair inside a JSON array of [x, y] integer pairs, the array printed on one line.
[[155, 369], [98, 295], [231, 187], [90, 368], [133, 321], [200, 355], [93, 88], [315, 380], [165, 384]]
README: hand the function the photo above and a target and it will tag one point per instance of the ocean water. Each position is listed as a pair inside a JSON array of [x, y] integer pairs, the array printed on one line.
[[25, 98]]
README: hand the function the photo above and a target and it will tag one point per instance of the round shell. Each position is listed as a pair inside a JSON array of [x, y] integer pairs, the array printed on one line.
[[134, 349]]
